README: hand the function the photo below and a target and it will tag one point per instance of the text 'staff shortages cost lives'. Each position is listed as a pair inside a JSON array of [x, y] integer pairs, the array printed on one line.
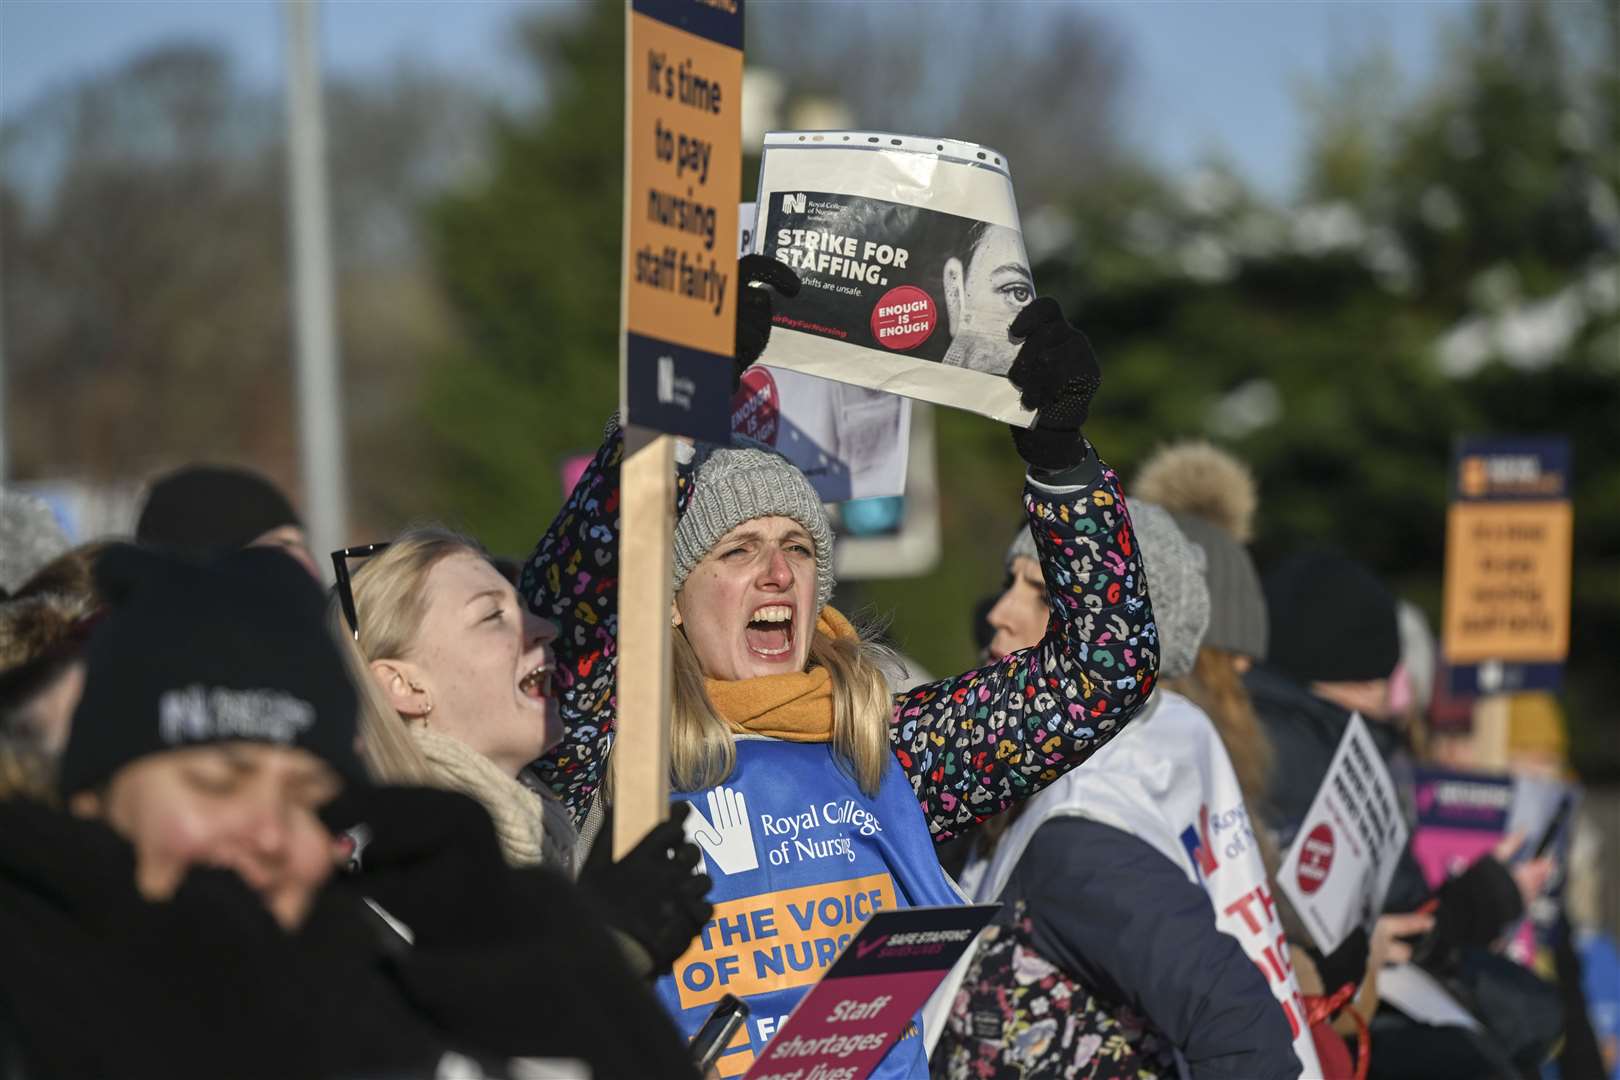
[[684, 166], [1509, 537]]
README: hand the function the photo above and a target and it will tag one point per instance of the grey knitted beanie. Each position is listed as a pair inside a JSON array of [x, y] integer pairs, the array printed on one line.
[[1237, 605], [1022, 547], [1175, 577], [738, 484]]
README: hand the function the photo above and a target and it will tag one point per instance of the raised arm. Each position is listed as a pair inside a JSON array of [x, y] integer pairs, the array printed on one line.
[[975, 744], [572, 579]]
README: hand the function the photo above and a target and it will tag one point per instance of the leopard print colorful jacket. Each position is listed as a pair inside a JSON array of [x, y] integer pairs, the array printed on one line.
[[972, 745]]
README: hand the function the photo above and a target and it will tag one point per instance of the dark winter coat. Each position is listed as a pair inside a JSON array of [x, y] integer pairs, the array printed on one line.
[[1471, 911], [511, 961], [97, 981], [1104, 943]]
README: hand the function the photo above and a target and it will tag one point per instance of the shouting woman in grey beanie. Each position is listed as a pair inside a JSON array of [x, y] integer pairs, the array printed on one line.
[[1116, 929], [816, 794]]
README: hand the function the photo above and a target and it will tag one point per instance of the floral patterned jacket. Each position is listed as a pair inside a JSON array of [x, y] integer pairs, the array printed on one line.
[[971, 745]]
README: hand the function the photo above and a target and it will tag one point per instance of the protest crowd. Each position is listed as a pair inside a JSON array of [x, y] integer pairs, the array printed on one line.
[[656, 798], [249, 829]]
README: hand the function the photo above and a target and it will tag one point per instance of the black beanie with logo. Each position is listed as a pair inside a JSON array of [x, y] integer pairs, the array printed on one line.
[[193, 655], [1331, 620]]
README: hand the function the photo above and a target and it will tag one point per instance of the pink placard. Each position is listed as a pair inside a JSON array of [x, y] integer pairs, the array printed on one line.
[[853, 1017]]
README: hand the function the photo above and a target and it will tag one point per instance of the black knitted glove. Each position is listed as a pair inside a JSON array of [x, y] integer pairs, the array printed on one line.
[[754, 305], [1056, 374], [1346, 964], [1474, 908], [651, 894]]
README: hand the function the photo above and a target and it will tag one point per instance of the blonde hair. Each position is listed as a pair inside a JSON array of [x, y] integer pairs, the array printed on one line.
[[390, 601], [701, 751]]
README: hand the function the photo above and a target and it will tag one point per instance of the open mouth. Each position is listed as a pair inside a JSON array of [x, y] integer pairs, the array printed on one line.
[[770, 632], [537, 683]]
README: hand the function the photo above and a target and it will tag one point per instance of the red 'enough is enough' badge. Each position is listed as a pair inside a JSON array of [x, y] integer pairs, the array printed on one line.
[[904, 318], [1315, 859], [756, 408]]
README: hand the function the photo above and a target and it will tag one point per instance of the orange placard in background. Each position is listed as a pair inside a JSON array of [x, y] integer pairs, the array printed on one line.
[[1509, 540], [1508, 581]]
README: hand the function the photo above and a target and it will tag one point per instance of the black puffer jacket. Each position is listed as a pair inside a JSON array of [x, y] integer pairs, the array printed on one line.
[[97, 981], [514, 961]]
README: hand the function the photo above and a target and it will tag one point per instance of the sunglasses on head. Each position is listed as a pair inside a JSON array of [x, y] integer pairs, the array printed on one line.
[[345, 591]]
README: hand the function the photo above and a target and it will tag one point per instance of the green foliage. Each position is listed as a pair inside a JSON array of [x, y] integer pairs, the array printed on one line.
[[1339, 345], [530, 261]]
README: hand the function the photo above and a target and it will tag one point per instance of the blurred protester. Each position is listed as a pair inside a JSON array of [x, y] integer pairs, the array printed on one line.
[[207, 736], [1214, 498], [1414, 685], [1107, 960], [204, 510], [44, 628], [780, 703], [181, 920], [30, 537], [457, 694], [1335, 646], [1537, 736]]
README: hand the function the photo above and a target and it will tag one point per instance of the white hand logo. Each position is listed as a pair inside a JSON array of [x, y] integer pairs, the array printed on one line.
[[725, 836]]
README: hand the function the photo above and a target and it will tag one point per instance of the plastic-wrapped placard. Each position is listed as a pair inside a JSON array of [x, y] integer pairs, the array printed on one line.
[[850, 442], [912, 261]]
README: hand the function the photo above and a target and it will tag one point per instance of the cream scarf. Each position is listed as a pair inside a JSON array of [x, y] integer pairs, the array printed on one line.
[[533, 827]]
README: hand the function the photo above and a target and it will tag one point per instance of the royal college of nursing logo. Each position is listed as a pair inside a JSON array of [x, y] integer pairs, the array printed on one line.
[[1196, 841], [794, 203]]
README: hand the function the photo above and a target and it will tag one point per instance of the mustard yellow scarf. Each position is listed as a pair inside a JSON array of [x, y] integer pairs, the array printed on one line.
[[796, 707]]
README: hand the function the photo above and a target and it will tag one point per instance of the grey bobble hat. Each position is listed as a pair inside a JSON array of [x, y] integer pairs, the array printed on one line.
[[738, 484], [1175, 578], [1237, 617]]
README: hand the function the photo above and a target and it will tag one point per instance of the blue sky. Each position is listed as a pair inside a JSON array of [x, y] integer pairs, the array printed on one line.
[[1205, 75]]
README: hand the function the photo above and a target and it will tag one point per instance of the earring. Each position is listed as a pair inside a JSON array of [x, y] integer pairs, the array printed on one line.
[[428, 709]]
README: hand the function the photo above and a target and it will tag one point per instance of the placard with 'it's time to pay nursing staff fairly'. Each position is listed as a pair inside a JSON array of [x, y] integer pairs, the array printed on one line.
[[1509, 535], [683, 152]]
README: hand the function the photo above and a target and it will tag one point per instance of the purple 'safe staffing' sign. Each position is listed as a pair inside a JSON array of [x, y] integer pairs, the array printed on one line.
[[843, 1027]]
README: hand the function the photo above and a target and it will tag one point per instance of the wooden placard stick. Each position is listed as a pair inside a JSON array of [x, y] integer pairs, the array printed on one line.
[[640, 759]]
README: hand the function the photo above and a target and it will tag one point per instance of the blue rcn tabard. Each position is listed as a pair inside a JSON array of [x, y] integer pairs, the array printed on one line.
[[800, 858]]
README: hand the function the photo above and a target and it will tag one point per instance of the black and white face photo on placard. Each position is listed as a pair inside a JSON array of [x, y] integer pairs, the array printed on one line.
[[984, 290]]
